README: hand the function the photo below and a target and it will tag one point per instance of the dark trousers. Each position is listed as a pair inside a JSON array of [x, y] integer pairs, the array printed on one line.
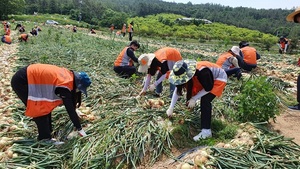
[[44, 125], [130, 36], [232, 71], [19, 84], [125, 71], [298, 89], [159, 87], [244, 65], [206, 108]]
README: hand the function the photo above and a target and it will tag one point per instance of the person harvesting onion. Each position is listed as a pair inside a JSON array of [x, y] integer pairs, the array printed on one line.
[[202, 80], [160, 62], [43, 87]]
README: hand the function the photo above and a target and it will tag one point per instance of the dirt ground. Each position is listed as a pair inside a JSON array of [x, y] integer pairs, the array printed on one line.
[[288, 124]]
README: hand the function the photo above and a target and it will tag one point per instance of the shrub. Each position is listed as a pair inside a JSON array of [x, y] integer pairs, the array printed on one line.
[[257, 101]]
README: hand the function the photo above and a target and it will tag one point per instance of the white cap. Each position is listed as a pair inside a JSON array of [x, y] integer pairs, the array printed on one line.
[[145, 61], [236, 50]]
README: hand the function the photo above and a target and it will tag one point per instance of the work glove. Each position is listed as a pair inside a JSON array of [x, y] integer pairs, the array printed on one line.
[[82, 133], [80, 114], [191, 103], [169, 112], [142, 93], [152, 87]]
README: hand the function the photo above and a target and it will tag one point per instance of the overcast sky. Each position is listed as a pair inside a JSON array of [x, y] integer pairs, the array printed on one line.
[[258, 4]]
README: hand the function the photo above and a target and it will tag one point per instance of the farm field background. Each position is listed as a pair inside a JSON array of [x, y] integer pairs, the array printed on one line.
[[124, 132]]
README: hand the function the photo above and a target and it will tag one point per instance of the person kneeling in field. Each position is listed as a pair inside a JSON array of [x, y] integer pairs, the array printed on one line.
[[42, 87], [23, 37], [123, 65], [6, 39], [229, 62], [203, 81], [160, 62], [248, 56], [295, 17]]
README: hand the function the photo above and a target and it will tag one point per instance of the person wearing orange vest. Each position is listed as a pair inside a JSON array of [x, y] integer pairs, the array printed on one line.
[[203, 81], [248, 56], [43, 87], [6, 39], [229, 62], [123, 31], [283, 44], [23, 37], [74, 29], [7, 30], [161, 61], [92, 31], [295, 17], [130, 31], [124, 64]]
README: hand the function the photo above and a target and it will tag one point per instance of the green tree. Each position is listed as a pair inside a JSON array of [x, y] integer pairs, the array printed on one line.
[[11, 7]]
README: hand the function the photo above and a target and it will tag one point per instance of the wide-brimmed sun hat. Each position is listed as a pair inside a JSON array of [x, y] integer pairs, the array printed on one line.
[[236, 50], [145, 61], [182, 72], [291, 16], [82, 81]]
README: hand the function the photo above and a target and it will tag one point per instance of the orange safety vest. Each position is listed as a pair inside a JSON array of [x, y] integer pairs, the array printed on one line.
[[171, 55], [282, 43], [123, 29], [130, 28], [123, 59], [219, 75], [7, 39], [223, 57], [24, 36], [7, 32], [249, 55], [43, 79]]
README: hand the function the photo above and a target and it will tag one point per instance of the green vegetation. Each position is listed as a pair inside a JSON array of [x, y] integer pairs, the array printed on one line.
[[123, 133], [165, 25], [257, 101]]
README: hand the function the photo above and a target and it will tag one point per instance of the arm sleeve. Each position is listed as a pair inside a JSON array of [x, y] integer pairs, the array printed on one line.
[[164, 69], [257, 56], [130, 53], [200, 94], [66, 96], [206, 79], [163, 77], [285, 47], [174, 99], [147, 82]]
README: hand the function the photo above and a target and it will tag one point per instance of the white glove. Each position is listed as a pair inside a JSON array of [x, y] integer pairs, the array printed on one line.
[[82, 133], [80, 114], [169, 112], [192, 103], [152, 87]]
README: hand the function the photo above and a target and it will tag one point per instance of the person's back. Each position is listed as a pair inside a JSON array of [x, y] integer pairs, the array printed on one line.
[[6, 39], [249, 54]]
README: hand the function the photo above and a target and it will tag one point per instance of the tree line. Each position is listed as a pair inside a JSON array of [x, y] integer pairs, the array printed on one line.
[[105, 12]]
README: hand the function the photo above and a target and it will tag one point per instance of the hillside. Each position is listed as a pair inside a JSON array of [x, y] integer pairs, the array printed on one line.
[[104, 12]]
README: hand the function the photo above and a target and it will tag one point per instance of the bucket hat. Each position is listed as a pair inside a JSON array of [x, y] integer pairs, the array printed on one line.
[[145, 61], [291, 16], [82, 81], [182, 72]]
